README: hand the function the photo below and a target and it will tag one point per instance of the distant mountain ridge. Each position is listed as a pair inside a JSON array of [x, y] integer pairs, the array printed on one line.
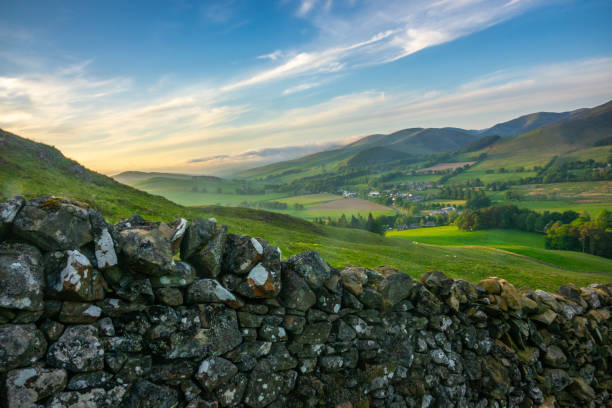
[[421, 141]]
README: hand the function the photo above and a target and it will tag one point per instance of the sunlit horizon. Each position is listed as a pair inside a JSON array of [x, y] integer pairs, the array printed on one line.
[[217, 87]]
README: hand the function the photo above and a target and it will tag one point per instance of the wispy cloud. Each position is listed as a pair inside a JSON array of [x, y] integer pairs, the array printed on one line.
[[380, 32], [300, 88], [85, 118]]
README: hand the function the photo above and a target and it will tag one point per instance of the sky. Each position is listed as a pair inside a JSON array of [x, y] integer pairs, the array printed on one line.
[[208, 87]]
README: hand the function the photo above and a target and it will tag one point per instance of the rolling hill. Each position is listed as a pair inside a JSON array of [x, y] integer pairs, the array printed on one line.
[[575, 137], [35, 169], [380, 148]]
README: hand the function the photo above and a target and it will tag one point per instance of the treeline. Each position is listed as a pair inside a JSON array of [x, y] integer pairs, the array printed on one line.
[[376, 225], [567, 230], [270, 205], [512, 217], [584, 235]]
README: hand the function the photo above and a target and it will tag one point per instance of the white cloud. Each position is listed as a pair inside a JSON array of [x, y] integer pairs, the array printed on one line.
[[300, 88]]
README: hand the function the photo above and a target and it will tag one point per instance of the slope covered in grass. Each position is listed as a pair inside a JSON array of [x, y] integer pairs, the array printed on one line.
[[34, 169]]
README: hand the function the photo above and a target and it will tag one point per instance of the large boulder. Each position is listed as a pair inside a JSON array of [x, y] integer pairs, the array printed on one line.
[[203, 246], [21, 277], [54, 224], [8, 212], [20, 345], [78, 350], [148, 247], [26, 386], [71, 276]]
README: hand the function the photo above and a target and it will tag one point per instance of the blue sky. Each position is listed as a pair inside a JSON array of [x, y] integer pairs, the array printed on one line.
[[205, 86]]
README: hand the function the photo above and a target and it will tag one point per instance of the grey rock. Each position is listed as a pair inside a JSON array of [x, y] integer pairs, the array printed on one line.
[[71, 276], [145, 394], [215, 371], [263, 389], [145, 246], [78, 350], [169, 296], [182, 275], [83, 381], [94, 398], [210, 291], [21, 274], [26, 386], [20, 345], [295, 292], [8, 212], [104, 244], [203, 246], [231, 392], [242, 254], [79, 313], [53, 224]]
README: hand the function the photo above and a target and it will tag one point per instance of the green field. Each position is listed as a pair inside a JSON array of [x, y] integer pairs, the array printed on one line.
[[34, 169], [588, 196], [519, 242]]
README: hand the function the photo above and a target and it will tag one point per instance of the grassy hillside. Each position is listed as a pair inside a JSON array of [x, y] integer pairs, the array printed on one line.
[[526, 123], [519, 242], [35, 169]]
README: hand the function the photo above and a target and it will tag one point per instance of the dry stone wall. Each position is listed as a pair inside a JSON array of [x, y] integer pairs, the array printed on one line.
[[98, 315]]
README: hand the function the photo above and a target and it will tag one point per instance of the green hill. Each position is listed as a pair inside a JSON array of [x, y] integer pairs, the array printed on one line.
[[528, 122], [383, 148], [574, 138], [35, 169]]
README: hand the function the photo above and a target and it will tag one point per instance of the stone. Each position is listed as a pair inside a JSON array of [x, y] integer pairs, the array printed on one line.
[[145, 394], [53, 224], [556, 379], [71, 276], [222, 327], [145, 246], [546, 317], [555, 357], [169, 296], [491, 285], [353, 279], [136, 291], [104, 245], [314, 269], [231, 392], [173, 373], [79, 312], [295, 292], [8, 212], [78, 350], [263, 389], [182, 275], [52, 329], [371, 298], [21, 277], [96, 397], [261, 282], [215, 371], [84, 381], [210, 291], [396, 288], [582, 390], [26, 386], [243, 253], [203, 246], [20, 345], [510, 295]]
